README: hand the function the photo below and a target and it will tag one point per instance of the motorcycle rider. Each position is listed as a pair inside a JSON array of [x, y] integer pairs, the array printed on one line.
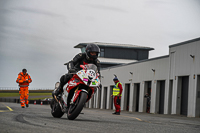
[[89, 57]]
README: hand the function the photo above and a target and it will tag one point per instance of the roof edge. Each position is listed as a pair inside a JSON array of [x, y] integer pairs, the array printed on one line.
[[185, 42], [141, 47], [126, 64]]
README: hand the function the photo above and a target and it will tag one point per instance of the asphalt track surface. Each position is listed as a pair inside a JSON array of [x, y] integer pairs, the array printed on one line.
[[38, 119]]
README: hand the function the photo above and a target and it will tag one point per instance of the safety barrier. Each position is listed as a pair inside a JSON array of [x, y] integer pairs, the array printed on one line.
[[30, 88]]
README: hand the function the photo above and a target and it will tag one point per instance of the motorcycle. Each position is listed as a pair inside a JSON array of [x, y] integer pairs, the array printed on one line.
[[85, 83]]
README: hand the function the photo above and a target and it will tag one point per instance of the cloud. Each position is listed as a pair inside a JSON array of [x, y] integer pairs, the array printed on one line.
[[5, 11], [108, 8], [37, 11]]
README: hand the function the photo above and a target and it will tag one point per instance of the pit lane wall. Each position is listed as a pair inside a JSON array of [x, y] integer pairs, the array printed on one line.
[[172, 80]]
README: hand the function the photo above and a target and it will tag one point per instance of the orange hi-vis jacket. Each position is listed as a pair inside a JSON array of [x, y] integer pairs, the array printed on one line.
[[21, 78]]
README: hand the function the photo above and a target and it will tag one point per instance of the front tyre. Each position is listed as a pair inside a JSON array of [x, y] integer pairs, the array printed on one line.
[[55, 109], [77, 107]]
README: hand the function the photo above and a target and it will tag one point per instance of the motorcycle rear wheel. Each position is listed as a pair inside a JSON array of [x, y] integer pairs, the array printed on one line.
[[75, 110], [55, 109]]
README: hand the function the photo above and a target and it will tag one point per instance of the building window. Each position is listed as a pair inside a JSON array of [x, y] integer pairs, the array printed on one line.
[[102, 52]]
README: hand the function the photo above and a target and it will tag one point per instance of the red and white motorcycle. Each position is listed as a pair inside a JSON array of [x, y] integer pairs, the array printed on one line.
[[85, 82]]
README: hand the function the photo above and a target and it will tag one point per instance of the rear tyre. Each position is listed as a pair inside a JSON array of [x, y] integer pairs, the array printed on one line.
[[55, 109], [77, 107]]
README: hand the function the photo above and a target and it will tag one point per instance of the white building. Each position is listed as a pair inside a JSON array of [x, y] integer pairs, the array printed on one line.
[[173, 82]]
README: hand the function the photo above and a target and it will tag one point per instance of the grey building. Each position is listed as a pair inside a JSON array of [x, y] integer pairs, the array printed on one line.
[[173, 81], [112, 54]]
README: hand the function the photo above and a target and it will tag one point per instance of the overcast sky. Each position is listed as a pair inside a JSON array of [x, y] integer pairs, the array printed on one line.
[[39, 35]]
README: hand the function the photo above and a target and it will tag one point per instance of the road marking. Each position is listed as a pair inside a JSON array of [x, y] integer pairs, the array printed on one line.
[[9, 109], [135, 118], [138, 119]]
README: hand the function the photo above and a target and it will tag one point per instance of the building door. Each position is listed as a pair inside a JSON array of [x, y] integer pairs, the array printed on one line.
[[162, 97], [92, 102], [170, 96], [198, 97], [111, 98], [126, 97], [137, 92], [184, 95], [147, 103], [105, 98], [99, 98]]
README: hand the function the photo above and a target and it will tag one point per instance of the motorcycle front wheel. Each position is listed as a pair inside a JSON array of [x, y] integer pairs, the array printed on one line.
[[76, 108], [55, 109]]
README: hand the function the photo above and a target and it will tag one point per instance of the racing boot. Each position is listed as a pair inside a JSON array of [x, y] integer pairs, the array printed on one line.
[[117, 113], [114, 113]]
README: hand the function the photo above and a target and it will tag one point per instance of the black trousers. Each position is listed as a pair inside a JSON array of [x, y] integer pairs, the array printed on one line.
[[63, 80]]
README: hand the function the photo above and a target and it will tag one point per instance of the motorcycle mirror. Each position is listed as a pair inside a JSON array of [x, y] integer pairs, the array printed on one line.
[[82, 66], [97, 75]]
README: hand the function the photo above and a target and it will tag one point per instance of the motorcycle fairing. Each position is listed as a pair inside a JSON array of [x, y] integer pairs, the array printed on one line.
[[89, 76], [73, 82], [86, 77]]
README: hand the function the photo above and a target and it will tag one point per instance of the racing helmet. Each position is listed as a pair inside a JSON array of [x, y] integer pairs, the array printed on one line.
[[92, 48]]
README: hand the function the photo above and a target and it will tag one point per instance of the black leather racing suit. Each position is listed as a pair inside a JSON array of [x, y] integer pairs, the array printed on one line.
[[79, 59]]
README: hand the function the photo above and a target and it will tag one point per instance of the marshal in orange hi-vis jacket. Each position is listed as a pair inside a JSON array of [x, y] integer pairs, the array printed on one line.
[[24, 79]]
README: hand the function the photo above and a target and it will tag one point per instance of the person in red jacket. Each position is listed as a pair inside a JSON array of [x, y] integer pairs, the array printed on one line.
[[117, 93], [24, 79]]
